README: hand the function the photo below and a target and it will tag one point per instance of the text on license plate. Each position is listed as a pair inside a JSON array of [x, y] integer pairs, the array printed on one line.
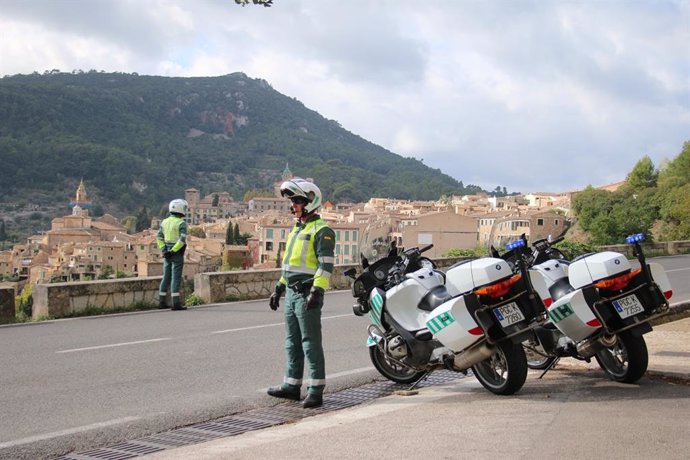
[[628, 306], [508, 314]]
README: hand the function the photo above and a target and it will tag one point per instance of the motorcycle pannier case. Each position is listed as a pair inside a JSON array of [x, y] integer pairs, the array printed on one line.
[[453, 326]]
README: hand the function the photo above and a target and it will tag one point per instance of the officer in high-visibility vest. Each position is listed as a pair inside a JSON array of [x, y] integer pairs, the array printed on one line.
[[172, 241], [307, 267]]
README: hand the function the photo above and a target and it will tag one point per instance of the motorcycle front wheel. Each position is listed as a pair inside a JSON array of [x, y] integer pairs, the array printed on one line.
[[504, 372], [392, 370], [627, 360]]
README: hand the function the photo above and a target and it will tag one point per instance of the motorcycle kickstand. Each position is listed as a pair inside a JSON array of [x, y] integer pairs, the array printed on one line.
[[420, 380], [553, 363]]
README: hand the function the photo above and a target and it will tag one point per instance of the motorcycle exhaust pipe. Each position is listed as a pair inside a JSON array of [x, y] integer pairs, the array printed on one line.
[[589, 348], [472, 356]]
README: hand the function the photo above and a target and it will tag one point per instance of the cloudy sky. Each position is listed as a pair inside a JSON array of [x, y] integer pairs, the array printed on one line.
[[532, 95]]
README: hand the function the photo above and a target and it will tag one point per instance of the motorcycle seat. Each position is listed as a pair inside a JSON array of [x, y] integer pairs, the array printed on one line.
[[423, 335]]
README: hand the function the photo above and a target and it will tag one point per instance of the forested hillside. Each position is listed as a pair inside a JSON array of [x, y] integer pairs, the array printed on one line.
[[654, 201], [140, 140]]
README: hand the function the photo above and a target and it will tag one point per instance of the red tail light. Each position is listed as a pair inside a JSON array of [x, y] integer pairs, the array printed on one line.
[[618, 283], [498, 289], [668, 294], [547, 302]]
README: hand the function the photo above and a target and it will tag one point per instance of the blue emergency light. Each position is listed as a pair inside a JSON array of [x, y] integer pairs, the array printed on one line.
[[636, 238], [515, 244]]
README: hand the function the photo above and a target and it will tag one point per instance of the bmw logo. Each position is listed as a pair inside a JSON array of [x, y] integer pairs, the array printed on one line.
[[617, 261], [498, 267]]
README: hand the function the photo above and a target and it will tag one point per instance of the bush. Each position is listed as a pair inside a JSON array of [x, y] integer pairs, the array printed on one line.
[[23, 303], [572, 248], [193, 300]]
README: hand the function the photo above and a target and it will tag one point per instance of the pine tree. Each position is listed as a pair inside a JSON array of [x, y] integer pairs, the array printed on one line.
[[229, 235], [236, 234], [3, 233]]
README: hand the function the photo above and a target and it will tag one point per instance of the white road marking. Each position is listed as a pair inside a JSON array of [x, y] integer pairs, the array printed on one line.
[[249, 328], [677, 270], [112, 345], [55, 434]]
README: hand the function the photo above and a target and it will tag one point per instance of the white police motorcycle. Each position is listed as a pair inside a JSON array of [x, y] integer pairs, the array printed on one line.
[[419, 322], [599, 306]]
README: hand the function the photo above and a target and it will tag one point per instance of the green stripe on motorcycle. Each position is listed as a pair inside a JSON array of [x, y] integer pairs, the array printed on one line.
[[440, 322], [561, 312]]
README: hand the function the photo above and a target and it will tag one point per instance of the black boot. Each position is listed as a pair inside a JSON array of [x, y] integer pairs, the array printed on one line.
[[161, 302], [280, 392], [312, 400], [177, 305]]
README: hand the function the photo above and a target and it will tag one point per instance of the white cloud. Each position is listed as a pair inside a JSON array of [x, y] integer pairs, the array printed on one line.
[[531, 95]]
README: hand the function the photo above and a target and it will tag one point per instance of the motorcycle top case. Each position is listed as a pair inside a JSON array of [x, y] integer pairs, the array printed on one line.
[[572, 316], [468, 275], [453, 326], [590, 269]]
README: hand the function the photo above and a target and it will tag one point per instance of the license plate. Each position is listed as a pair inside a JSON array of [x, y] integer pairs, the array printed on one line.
[[508, 314], [628, 306]]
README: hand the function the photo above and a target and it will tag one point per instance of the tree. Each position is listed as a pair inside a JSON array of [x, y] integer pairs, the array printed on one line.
[[143, 219], [215, 200], [3, 233], [229, 234], [643, 175], [279, 257], [236, 234], [130, 223]]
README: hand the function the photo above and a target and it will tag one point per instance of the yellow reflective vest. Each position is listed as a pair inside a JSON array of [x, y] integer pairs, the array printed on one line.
[[309, 253], [172, 233]]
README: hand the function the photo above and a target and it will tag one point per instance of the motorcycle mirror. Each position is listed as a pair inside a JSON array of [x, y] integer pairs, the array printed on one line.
[[365, 261], [350, 273]]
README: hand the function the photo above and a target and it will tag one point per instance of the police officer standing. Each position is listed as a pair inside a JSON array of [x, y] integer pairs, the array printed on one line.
[[307, 268], [172, 241]]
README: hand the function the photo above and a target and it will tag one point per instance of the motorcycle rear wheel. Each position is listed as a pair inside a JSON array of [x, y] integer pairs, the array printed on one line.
[[504, 372], [627, 360], [392, 370]]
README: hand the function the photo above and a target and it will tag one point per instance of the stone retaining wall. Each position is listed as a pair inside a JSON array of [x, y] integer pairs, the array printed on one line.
[[215, 287], [667, 247], [61, 299]]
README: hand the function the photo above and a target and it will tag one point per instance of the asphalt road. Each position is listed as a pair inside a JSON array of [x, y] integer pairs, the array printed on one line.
[[68, 385]]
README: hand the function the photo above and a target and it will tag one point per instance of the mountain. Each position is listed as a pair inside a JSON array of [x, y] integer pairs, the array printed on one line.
[[141, 140]]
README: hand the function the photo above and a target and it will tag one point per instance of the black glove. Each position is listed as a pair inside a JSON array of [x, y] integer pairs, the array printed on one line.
[[315, 298], [167, 254], [274, 300]]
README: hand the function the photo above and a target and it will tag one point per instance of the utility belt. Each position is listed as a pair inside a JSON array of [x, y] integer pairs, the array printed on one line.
[[302, 287]]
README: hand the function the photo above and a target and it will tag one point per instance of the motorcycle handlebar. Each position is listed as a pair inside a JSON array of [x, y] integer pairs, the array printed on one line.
[[426, 248]]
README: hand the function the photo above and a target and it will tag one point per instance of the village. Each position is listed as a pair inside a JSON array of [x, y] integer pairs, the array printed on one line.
[[79, 247]]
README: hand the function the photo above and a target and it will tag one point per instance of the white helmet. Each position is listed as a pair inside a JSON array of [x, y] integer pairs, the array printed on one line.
[[178, 206], [300, 187]]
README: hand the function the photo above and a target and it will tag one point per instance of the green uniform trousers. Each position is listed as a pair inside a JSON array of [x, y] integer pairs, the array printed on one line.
[[303, 339], [172, 276]]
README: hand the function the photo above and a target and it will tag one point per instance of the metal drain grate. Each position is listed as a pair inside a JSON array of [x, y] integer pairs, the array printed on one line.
[[256, 419]]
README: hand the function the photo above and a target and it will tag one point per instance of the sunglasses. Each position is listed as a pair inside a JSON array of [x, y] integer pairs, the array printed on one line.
[[299, 200]]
